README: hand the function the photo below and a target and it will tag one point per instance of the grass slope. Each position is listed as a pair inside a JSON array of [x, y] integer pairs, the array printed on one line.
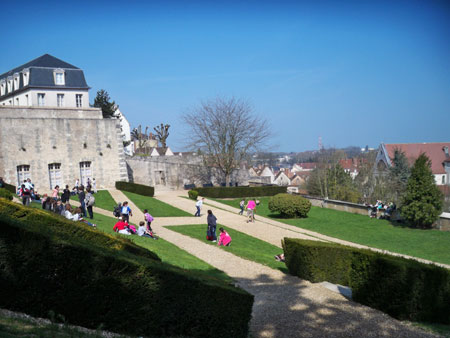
[[428, 244], [242, 245], [103, 199], [154, 206]]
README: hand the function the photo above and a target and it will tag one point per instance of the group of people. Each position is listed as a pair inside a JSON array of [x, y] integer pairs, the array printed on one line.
[[27, 192], [251, 207], [124, 227], [224, 237], [385, 209]]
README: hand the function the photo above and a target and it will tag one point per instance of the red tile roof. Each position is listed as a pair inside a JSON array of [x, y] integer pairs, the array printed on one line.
[[434, 151]]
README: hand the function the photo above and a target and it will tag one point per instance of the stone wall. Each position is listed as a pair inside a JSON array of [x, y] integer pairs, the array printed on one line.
[[173, 172], [38, 137]]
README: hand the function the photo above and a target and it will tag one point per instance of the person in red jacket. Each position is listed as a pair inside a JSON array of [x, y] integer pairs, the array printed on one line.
[[121, 227]]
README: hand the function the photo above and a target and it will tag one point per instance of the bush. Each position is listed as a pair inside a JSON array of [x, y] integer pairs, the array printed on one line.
[[193, 194], [235, 192], [10, 188], [290, 205], [403, 288], [6, 194], [136, 188], [91, 284]]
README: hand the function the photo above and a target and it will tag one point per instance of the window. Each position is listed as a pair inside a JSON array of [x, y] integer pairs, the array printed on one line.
[[26, 73], [41, 99], [16, 81], [2, 87], [60, 100], [9, 84], [59, 77], [27, 100], [443, 179], [85, 172], [79, 100], [54, 172], [23, 173], [17, 101]]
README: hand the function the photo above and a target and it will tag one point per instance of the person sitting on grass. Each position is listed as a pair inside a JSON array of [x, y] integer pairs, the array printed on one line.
[[148, 219], [122, 227], [76, 215], [280, 257], [144, 232], [224, 238]]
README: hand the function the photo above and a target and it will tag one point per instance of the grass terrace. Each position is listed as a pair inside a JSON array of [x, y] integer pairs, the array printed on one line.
[[155, 207], [103, 199], [428, 244]]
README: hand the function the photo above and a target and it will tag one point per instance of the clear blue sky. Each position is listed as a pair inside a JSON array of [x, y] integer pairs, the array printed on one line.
[[353, 72]]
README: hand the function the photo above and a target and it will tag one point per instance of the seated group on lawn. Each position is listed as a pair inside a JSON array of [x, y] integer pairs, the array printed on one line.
[[123, 212]]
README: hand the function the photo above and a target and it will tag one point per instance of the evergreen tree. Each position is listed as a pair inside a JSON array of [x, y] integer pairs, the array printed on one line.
[[422, 202], [398, 176], [102, 100]]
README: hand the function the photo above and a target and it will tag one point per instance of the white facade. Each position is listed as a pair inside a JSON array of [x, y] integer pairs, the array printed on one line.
[[71, 98], [126, 132]]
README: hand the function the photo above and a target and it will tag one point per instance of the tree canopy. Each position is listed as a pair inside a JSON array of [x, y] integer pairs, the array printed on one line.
[[225, 130], [102, 101]]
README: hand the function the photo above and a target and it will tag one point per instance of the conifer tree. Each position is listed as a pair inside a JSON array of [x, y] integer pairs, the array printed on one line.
[[102, 100], [422, 201]]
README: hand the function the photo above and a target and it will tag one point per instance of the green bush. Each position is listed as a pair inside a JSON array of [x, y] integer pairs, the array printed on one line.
[[193, 194], [290, 205], [92, 284], [403, 288], [6, 194], [235, 192], [10, 188], [140, 189]]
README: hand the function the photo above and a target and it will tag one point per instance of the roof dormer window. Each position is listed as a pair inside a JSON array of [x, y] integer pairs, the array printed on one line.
[[10, 81], [2, 87], [16, 81], [59, 77], [26, 76]]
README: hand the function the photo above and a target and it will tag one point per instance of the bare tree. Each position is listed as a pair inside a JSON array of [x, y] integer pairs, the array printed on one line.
[[225, 130], [141, 137], [162, 133]]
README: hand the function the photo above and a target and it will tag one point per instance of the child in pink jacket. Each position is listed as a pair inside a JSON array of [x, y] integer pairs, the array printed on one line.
[[224, 238]]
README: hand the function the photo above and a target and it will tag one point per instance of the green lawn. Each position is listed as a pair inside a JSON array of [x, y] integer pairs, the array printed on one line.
[[242, 245], [433, 245], [103, 199], [155, 207]]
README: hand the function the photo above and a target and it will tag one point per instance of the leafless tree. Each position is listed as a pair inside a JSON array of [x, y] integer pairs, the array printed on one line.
[[162, 133], [225, 130], [141, 137]]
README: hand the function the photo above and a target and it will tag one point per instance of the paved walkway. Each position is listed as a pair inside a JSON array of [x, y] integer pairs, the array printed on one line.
[[285, 306]]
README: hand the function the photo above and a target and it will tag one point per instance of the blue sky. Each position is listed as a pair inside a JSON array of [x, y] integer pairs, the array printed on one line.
[[353, 72]]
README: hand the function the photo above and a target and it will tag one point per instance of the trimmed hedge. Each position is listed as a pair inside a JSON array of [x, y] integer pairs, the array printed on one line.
[[193, 194], [10, 188], [136, 188], [6, 194], [290, 205], [234, 192], [403, 288], [49, 264]]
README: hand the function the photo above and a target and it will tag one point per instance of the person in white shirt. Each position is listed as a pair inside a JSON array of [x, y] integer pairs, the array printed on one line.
[[94, 185], [199, 206]]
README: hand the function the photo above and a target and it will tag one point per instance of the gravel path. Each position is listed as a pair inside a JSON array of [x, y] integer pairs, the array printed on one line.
[[285, 306]]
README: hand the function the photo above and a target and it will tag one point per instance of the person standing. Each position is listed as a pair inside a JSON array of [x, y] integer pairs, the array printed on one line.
[[25, 193], [242, 206], [81, 198], [148, 219], [198, 205], [126, 212], [94, 185], [55, 193], [89, 202], [212, 223], [77, 184], [65, 197], [251, 205]]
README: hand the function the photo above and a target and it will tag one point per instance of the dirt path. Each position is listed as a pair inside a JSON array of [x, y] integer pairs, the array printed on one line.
[[285, 306]]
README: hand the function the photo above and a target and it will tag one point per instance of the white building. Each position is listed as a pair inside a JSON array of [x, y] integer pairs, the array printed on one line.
[[44, 82]]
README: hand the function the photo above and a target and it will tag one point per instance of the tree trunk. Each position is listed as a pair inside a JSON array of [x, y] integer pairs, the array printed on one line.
[[227, 180]]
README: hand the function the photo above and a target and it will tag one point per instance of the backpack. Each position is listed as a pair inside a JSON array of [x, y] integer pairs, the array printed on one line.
[[91, 201], [117, 210]]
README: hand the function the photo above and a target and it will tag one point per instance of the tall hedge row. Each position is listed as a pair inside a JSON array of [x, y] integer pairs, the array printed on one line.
[[92, 279], [403, 288], [140, 189], [235, 192]]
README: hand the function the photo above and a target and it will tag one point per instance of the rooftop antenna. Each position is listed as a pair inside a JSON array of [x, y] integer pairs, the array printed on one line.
[[320, 143]]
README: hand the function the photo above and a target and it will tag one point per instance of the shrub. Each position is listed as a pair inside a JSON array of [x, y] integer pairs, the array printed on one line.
[[193, 194], [403, 288], [10, 188], [6, 194], [234, 192], [289, 205], [136, 188], [91, 284]]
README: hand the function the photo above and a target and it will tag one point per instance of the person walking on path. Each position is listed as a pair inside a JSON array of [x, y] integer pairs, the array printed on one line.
[[126, 211], [198, 205], [148, 220], [89, 202], [81, 198], [242, 206], [212, 223], [251, 205], [224, 238]]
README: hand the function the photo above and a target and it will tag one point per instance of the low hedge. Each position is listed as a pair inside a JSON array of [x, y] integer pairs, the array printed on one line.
[[289, 205], [10, 188], [6, 194], [136, 188], [193, 194], [235, 192], [86, 283], [403, 288]]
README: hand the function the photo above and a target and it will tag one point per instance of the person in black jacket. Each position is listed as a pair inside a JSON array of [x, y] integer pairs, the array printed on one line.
[[65, 197], [212, 223], [81, 198]]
